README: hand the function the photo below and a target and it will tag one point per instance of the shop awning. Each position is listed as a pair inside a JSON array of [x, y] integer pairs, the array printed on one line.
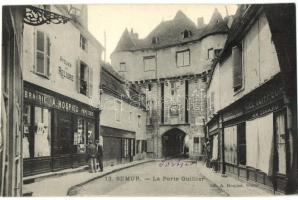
[[115, 132]]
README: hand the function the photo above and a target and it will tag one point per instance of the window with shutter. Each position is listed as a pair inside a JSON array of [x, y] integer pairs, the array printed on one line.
[[237, 67], [84, 79], [183, 58], [42, 54]]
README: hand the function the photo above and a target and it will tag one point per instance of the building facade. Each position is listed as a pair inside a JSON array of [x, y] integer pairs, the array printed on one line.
[[171, 66], [11, 102], [123, 119], [248, 110], [61, 93]]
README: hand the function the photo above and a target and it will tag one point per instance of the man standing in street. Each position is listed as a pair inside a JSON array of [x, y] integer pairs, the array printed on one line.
[[100, 152]]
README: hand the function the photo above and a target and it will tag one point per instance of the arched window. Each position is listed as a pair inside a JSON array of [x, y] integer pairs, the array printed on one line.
[[155, 40]]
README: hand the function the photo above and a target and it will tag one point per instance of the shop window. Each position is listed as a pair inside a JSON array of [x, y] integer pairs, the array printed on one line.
[[132, 147], [281, 141], [42, 132], [230, 144], [241, 143], [196, 146], [79, 136], [259, 143], [183, 58], [26, 133], [149, 63], [42, 54], [83, 43], [138, 144], [125, 148], [237, 67], [117, 110], [122, 67], [90, 132]]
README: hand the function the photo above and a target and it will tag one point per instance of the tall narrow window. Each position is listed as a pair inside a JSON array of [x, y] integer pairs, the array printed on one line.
[[84, 76], [42, 54], [83, 43], [237, 67], [183, 58], [149, 63]]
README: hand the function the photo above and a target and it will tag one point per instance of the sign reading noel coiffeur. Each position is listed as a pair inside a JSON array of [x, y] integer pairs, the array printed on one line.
[[56, 102]]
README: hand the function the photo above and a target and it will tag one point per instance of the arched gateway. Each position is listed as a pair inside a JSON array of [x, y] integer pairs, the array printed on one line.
[[173, 143]]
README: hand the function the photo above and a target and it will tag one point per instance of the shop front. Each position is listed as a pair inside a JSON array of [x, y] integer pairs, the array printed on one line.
[[255, 140], [57, 130], [118, 144], [214, 144]]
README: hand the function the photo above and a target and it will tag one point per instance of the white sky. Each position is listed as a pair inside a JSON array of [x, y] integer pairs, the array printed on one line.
[[142, 18]]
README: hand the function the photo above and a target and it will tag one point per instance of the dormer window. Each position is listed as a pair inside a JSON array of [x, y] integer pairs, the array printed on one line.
[[186, 34], [155, 40]]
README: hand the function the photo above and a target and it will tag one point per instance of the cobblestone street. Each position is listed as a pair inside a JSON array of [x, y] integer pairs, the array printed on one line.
[[168, 178]]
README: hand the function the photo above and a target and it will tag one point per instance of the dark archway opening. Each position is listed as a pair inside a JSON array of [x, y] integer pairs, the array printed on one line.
[[173, 143]]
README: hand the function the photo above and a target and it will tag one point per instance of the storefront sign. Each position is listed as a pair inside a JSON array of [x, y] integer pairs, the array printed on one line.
[[266, 97], [55, 102], [63, 69]]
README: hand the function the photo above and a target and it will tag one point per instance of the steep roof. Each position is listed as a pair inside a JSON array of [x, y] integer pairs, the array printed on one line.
[[170, 33], [113, 84], [242, 21]]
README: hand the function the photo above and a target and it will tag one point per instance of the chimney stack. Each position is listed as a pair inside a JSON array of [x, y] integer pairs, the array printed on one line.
[[230, 21], [200, 22]]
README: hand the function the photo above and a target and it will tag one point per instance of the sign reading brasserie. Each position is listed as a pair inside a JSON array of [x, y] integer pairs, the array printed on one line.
[[55, 102]]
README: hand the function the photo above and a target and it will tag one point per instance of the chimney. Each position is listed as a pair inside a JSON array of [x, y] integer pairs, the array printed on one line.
[[200, 22], [134, 35], [230, 21]]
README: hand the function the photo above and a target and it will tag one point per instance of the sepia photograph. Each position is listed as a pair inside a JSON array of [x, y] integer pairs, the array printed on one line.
[[142, 100]]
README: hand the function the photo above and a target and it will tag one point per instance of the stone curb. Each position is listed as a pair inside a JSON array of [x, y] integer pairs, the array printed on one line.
[[40, 177], [71, 192]]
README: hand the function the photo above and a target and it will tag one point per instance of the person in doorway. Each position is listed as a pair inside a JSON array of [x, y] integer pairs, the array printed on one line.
[[92, 151], [100, 153]]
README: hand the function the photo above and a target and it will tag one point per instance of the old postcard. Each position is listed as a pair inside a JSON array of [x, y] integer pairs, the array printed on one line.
[[148, 100]]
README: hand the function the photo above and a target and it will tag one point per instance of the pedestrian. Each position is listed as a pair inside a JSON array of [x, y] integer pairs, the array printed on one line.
[[100, 152], [92, 151]]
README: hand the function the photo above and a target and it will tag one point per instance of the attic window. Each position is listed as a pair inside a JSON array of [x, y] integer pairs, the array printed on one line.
[[186, 34], [155, 40]]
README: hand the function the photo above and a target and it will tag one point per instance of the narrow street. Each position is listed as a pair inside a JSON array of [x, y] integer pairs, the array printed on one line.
[[161, 178]]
